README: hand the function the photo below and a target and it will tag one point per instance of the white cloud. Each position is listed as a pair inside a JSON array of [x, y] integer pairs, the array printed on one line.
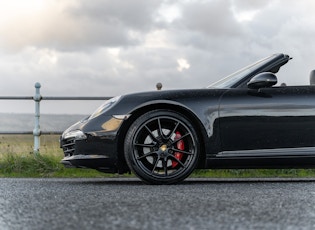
[[246, 15], [47, 57], [168, 13], [182, 64], [157, 39]]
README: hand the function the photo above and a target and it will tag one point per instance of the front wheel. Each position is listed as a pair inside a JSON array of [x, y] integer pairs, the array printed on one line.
[[162, 147]]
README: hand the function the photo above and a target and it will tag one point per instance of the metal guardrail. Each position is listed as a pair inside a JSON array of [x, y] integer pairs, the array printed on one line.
[[38, 98], [30, 132], [54, 98]]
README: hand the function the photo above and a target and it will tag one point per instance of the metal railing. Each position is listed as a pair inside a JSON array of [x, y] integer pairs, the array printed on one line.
[[37, 98]]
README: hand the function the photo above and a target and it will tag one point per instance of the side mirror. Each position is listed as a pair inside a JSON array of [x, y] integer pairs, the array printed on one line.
[[262, 80]]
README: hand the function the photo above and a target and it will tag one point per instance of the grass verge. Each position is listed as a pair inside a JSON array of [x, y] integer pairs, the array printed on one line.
[[48, 166], [17, 165], [255, 173], [17, 160]]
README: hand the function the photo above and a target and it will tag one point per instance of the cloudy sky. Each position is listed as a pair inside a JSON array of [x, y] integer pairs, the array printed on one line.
[[107, 48]]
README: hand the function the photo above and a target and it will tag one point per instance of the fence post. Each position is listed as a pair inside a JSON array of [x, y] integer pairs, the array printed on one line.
[[36, 132]]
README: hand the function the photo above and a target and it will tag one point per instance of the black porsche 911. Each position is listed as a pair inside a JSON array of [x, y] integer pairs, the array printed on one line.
[[241, 121]]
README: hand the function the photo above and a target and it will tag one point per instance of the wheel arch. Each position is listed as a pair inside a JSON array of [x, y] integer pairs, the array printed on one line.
[[175, 107]]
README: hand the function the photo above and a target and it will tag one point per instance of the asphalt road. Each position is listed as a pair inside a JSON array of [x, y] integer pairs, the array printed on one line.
[[129, 204]]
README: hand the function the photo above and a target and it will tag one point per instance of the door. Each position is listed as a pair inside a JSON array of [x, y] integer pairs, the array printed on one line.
[[269, 118]]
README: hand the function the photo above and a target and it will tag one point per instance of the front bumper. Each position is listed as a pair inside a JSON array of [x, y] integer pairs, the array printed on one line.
[[99, 162], [85, 150], [92, 143]]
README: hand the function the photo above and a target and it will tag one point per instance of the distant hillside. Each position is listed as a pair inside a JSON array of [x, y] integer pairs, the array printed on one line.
[[25, 122]]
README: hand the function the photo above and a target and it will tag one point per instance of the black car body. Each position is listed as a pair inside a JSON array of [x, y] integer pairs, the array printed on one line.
[[242, 121]]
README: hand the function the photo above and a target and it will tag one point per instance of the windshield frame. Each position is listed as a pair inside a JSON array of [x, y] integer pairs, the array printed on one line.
[[234, 78]]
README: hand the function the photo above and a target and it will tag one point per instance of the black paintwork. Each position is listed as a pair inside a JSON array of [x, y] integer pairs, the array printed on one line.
[[238, 127]]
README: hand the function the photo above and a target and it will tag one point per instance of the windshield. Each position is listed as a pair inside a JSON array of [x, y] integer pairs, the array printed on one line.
[[230, 80]]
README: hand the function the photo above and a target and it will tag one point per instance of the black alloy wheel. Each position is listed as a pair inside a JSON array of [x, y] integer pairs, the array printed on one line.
[[161, 147]]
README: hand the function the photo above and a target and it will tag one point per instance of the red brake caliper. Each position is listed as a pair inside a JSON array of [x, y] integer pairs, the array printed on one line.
[[181, 146]]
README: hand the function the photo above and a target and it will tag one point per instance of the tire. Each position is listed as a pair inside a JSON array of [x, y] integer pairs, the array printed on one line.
[[162, 147]]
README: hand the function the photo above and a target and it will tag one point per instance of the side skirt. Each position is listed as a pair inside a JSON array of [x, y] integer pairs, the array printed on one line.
[[265, 158], [306, 151]]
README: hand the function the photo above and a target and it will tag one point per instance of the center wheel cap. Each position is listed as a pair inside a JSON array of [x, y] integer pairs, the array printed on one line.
[[163, 148]]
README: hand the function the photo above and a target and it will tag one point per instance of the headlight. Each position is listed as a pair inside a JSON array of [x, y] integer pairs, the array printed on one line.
[[77, 135], [106, 106]]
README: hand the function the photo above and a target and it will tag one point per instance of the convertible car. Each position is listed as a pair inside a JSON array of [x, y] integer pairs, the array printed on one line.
[[241, 121]]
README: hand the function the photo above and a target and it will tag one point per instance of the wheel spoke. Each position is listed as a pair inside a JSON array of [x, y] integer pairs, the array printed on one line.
[[151, 134], [165, 166], [146, 155], [144, 145], [181, 151], [177, 160], [155, 164], [160, 130], [181, 138], [173, 131]]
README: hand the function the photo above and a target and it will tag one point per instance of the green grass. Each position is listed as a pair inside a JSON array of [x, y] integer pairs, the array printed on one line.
[[255, 173], [18, 160]]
